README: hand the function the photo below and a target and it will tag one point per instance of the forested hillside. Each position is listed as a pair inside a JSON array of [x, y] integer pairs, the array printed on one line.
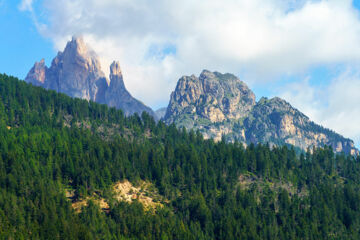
[[51, 144]]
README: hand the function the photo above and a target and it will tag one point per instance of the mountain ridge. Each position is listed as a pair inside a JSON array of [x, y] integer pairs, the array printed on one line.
[[77, 72], [221, 105], [218, 105]]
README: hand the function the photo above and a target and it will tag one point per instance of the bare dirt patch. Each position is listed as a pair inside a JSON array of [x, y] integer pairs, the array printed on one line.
[[145, 193]]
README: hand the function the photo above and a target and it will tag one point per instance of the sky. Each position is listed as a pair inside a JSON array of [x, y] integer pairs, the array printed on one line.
[[305, 51]]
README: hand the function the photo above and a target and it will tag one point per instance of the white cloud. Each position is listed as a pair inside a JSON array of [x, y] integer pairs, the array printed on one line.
[[26, 5], [336, 106], [343, 111], [260, 39]]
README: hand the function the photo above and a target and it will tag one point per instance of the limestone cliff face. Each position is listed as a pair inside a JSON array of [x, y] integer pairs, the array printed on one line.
[[37, 73], [276, 121], [220, 105], [117, 95], [212, 97], [77, 72]]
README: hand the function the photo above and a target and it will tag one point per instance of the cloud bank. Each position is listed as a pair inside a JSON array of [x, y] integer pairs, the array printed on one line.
[[158, 41]]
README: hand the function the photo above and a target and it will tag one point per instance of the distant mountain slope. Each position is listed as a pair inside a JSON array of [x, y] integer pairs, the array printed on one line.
[[222, 105], [77, 72], [160, 113]]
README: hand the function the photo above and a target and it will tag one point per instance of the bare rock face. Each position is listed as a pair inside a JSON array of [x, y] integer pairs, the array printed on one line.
[[227, 95], [37, 74], [275, 120], [220, 105], [212, 97], [77, 72], [117, 95]]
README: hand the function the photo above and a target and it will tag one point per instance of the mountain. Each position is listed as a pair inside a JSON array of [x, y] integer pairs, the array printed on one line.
[[75, 169], [213, 97], [160, 113], [77, 72], [276, 121], [221, 105], [218, 105], [117, 95]]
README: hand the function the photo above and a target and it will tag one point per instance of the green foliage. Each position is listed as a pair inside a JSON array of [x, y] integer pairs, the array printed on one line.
[[42, 152]]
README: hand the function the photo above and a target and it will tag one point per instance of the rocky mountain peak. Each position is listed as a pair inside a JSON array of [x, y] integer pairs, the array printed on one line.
[[115, 68], [77, 72], [118, 96], [79, 44], [36, 75], [212, 96], [78, 53], [116, 77], [221, 105], [206, 74]]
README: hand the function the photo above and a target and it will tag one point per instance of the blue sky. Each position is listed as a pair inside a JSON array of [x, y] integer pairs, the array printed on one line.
[[20, 43], [305, 51]]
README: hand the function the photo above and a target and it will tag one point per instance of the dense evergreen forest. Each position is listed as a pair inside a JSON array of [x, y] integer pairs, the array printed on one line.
[[50, 142]]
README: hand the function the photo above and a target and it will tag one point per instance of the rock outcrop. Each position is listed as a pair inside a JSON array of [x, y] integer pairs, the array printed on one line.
[[117, 95], [212, 98], [37, 73], [221, 105], [77, 72], [276, 121]]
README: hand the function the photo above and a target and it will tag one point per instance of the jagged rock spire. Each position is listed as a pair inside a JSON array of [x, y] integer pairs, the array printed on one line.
[[119, 97], [77, 72], [116, 78], [36, 75], [115, 68]]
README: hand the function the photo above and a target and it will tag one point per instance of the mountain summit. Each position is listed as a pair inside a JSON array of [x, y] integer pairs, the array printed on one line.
[[221, 105], [117, 95], [213, 97], [77, 72]]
